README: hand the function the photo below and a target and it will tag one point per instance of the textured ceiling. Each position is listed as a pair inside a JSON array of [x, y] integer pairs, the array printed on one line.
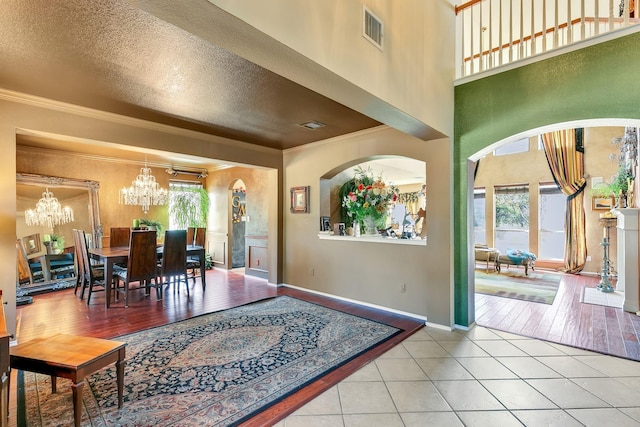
[[111, 56]]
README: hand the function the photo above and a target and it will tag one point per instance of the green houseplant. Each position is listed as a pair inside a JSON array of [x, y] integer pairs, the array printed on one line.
[[189, 207], [617, 186], [151, 223]]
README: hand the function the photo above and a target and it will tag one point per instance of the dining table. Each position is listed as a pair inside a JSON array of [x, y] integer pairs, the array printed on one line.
[[110, 256]]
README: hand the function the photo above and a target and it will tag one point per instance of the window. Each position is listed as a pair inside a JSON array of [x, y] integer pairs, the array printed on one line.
[[552, 211], [519, 146], [479, 216], [184, 204], [512, 218]]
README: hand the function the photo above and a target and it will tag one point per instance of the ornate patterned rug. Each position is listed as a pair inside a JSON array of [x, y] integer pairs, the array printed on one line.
[[215, 370], [539, 287]]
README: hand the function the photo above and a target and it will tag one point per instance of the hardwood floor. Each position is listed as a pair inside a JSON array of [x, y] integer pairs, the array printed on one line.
[[64, 312], [567, 321]]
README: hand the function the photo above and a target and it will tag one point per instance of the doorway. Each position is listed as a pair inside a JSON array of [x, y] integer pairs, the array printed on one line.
[[238, 224]]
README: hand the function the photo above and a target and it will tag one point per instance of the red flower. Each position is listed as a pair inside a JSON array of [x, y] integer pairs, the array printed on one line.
[[361, 187]]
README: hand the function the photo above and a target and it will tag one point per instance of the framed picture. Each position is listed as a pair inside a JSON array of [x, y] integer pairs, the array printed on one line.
[[325, 223], [31, 244], [300, 199], [339, 229], [602, 203]]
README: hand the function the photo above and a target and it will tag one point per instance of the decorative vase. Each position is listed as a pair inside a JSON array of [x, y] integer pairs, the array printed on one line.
[[356, 229], [370, 228]]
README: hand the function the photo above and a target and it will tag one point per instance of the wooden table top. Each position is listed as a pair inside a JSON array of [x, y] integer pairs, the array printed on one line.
[[68, 350]]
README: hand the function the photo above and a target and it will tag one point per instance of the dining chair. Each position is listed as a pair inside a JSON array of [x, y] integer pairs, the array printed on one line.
[[93, 276], [28, 272], [119, 236], [193, 263], [191, 232], [141, 265], [173, 265]]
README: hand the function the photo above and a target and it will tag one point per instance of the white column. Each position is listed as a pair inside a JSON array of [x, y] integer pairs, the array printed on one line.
[[628, 275]]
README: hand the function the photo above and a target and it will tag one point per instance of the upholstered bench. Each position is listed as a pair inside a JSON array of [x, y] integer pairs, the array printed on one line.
[[488, 255], [517, 257]]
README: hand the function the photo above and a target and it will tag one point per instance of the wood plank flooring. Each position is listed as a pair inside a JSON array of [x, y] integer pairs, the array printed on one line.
[[64, 312], [567, 321]]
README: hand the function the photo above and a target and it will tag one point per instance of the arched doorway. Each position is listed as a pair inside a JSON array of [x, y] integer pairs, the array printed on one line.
[[238, 224]]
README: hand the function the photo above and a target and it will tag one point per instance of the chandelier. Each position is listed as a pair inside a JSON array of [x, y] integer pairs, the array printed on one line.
[[144, 191], [48, 212]]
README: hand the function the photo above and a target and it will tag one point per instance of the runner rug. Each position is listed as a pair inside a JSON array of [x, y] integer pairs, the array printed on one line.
[[214, 370], [536, 287]]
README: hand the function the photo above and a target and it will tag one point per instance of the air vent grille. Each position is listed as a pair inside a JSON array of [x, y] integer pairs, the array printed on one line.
[[373, 28]]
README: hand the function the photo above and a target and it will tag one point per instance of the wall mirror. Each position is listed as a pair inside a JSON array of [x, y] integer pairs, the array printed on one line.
[[80, 195]]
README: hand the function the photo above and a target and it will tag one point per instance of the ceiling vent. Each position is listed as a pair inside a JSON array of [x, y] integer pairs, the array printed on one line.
[[313, 125], [373, 28]]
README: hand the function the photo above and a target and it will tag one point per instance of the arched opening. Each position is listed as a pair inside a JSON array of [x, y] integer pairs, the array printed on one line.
[[238, 217], [489, 172]]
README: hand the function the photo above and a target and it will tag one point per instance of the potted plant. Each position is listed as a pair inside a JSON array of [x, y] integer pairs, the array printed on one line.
[[151, 224], [189, 207], [617, 187]]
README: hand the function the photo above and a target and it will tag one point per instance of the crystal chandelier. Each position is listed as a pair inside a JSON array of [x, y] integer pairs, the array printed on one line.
[[48, 212], [144, 191]]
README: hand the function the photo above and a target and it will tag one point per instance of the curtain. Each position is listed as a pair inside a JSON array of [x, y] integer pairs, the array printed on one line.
[[565, 156]]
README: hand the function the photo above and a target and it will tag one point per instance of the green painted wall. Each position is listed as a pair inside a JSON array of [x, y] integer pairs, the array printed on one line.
[[596, 82]]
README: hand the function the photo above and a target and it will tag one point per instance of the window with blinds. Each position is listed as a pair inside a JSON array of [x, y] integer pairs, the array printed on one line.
[[512, 217]]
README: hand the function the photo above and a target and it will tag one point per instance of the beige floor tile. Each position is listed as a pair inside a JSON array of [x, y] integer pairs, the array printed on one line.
[[421, 335], [489, 419], [510, 336], [314, 421], [528, 367], [546, 418], [498, 348], [328, 403], [537, 348], [611, 365], [463, 349], [443, 368], [421, 349], [611, 391], [479, 333], [397, 352], [432, 419], [467, 395], [602, 417], [416, 396], [368, 420], [571, 351], [441, 335], [517, 394], [633, 382], [569, 367], [633, 413], [365, 398], [566, 394], [400, 370], [486, 368], [368, 372]]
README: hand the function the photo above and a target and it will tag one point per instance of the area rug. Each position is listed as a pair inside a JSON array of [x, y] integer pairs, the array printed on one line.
[[609, 299], [540, 287], [214, 370]]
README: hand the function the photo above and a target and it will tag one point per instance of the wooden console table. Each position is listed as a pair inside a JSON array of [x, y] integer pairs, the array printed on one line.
[[73, 357]]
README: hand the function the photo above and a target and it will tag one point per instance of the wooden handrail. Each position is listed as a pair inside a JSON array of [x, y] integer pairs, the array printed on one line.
[[466, 5], [547, 31]]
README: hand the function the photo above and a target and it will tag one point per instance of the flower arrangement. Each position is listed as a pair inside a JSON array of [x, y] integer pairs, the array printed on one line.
[[367, 197]]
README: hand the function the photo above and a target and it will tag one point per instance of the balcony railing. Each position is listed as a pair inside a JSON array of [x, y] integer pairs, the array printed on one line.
[[493, 33]]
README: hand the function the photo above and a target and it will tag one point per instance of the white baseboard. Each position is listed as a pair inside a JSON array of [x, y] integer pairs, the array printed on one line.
[[366, 304]]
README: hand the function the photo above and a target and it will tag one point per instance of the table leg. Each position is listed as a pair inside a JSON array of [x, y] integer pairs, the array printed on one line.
[[77, 402], [203, 268], [120, 374], [108, 274], [54, 384]]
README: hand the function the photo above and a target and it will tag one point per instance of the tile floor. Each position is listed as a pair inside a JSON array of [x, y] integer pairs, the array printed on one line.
[[480, 378]]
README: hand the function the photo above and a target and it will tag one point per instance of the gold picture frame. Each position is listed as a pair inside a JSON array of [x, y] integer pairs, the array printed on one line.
[[602, 203], [300, 199], [31, 244]]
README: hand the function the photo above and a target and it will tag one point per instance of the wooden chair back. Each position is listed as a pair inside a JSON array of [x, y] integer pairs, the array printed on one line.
[[24, 270], [174, 254], [191, 232], [119, 236], [201, 236], [143, 256]]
